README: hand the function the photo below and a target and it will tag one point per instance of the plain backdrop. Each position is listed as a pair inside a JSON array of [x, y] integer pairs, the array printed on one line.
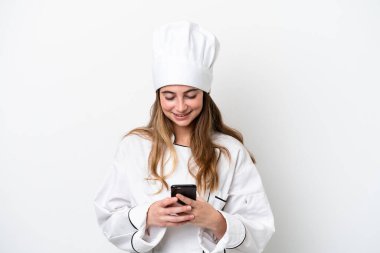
[[299, 79]]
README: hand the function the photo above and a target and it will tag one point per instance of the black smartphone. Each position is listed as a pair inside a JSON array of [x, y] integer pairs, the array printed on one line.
[[187, 190]]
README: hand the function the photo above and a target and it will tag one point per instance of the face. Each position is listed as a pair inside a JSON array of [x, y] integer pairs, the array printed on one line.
[[181, 103]]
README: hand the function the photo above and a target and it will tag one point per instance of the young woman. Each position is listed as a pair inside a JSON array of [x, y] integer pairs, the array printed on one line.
[[185, 142]]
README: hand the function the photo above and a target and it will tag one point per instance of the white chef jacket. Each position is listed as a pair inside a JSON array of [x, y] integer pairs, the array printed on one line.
[[122, 202]]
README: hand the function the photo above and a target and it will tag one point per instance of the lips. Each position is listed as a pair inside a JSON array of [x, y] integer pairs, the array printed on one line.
[[181, 116]]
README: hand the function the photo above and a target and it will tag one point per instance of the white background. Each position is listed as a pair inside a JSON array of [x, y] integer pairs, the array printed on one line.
[[299, 79]]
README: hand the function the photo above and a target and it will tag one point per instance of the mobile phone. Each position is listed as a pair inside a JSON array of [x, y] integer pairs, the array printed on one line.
[[187, 190]]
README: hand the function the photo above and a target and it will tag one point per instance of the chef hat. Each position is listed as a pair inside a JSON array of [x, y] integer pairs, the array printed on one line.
[[184, 54]]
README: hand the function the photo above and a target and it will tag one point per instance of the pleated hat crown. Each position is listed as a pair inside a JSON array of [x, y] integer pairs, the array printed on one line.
[[184, 54]]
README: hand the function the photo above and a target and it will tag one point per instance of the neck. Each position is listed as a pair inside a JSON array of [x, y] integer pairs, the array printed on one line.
[[182, 135]]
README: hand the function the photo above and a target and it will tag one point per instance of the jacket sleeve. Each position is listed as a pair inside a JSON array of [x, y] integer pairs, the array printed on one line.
[[121, 220], [249, 218]]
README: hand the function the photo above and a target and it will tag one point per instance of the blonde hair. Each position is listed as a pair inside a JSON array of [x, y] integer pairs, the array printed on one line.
[[203, 163]]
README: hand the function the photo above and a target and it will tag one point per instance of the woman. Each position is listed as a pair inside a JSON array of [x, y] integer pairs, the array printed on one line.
[[185, 142]]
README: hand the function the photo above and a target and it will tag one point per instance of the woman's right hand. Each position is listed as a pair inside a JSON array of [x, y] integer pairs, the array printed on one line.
[[167, 213]]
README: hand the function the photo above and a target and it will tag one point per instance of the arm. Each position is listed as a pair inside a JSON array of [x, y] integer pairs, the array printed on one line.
[[247, 212], [122, 221]]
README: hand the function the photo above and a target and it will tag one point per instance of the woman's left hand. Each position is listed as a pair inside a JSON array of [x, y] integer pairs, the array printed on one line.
[[205, 215]]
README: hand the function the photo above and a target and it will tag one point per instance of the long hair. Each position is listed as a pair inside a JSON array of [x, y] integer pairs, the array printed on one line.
[[203, 163]]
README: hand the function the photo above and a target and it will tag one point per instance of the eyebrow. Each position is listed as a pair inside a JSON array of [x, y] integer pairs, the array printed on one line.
[[170, 92]]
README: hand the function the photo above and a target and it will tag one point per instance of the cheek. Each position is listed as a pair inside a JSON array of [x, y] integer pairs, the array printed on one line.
[[197, 105], [166, 105]]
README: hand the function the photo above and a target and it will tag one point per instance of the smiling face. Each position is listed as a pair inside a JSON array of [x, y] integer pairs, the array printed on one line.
[[181, 103]]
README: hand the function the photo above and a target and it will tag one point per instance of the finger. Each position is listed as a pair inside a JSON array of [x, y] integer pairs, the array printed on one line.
[[176, 204], [177, 218], [185, 213], [186, 200], [174, 224], [168, 201], [176, 210]]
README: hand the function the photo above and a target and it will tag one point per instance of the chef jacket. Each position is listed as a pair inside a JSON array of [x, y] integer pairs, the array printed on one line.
[[122, 202]]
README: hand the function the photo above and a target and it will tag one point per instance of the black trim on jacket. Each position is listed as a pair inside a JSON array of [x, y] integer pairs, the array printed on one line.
[[132, 242], [245, 235], [129, 218]]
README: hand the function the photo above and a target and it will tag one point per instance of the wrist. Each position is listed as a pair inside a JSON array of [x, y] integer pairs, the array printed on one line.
[[219, 227], [147, 220]]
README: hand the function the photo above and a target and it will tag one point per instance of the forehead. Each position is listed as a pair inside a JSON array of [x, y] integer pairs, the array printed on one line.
[[176, 88]]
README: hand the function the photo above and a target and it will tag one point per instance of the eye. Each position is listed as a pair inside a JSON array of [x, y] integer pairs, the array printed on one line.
[[169, 98], [191, 97]]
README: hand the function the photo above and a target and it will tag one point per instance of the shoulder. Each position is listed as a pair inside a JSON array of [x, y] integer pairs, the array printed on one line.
[[229, 142], [238, 151], [134, 141]]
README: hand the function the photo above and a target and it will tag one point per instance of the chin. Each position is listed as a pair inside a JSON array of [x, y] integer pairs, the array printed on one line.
[[184, 124]]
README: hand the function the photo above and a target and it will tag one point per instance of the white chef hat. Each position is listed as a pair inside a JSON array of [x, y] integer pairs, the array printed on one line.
[[184, 54]]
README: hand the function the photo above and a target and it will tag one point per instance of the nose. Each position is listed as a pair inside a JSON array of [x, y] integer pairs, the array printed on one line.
[[181, 106]]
